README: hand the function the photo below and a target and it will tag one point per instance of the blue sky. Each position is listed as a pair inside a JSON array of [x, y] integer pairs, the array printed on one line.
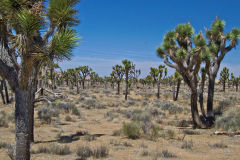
[[113, 30]]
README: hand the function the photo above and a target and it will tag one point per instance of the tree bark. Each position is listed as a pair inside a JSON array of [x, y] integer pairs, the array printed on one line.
[[211, 85], [22, 124], [158, 91], [173, 88], [194, 109], [126, 91], [1, 92], [6, 91], [224, 86], [201, 94], [178, 89]]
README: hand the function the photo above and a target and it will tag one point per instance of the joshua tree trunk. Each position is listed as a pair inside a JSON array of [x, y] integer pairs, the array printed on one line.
[[210, 116], [126, 80], [6, 91], [76, 78], [194, 109], [201, 94], [118, 87], [158, 91], [178, 88], [237, 87], [173, 88], [83, 84], [1, 92], [22, 124], [224, 85]]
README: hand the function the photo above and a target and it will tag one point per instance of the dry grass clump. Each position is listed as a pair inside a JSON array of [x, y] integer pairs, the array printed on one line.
[[187, 144], [52, 149], [85, 152]]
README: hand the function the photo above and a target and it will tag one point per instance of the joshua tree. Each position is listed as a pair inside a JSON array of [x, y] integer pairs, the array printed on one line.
[[22, 25], [84, 71], [224, 76], [186, 59], [128, 67], [235, 81], [94, 77], [219, 44], [178, 46], [117, 73], [157, 74], [177, 78]]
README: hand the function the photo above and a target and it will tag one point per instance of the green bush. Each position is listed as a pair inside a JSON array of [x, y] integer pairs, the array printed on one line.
[[132, 130]]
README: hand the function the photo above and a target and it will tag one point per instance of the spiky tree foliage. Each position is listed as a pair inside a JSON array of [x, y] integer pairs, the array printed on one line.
[[176, 78], [23, 35], [118, 73], [186, 58], [84, 71], [224, 77], [157, 75], [128, 68]]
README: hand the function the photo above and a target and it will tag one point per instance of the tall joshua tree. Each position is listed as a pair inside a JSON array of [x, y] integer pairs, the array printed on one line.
[[118, 73], [128, 68], [22, 25], [219, 44], [186, 52], [224, 76]]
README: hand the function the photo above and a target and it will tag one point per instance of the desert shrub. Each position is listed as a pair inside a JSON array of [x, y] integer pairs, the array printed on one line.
[[167, 154], [154, 134], [230, 120], [187, 144], [190, 132], [145, 153], [171, 107], [168, 106], [171, 133], [132, 130], [117, 132], [46, 113], [52, 149], [110, 115], [3, 119], [98, 152], [68, 118], [66, 107], [84, 152], [93, 103], [223, 105], [156, 112], [219, 145], [90, 137], [106, 91], [184, 123], [129, 103]]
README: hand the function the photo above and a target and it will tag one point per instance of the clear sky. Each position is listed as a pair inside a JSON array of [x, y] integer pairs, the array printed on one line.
[[113, 30]]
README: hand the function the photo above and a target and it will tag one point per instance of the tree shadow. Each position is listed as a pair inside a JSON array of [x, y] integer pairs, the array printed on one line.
[[71, 138]]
